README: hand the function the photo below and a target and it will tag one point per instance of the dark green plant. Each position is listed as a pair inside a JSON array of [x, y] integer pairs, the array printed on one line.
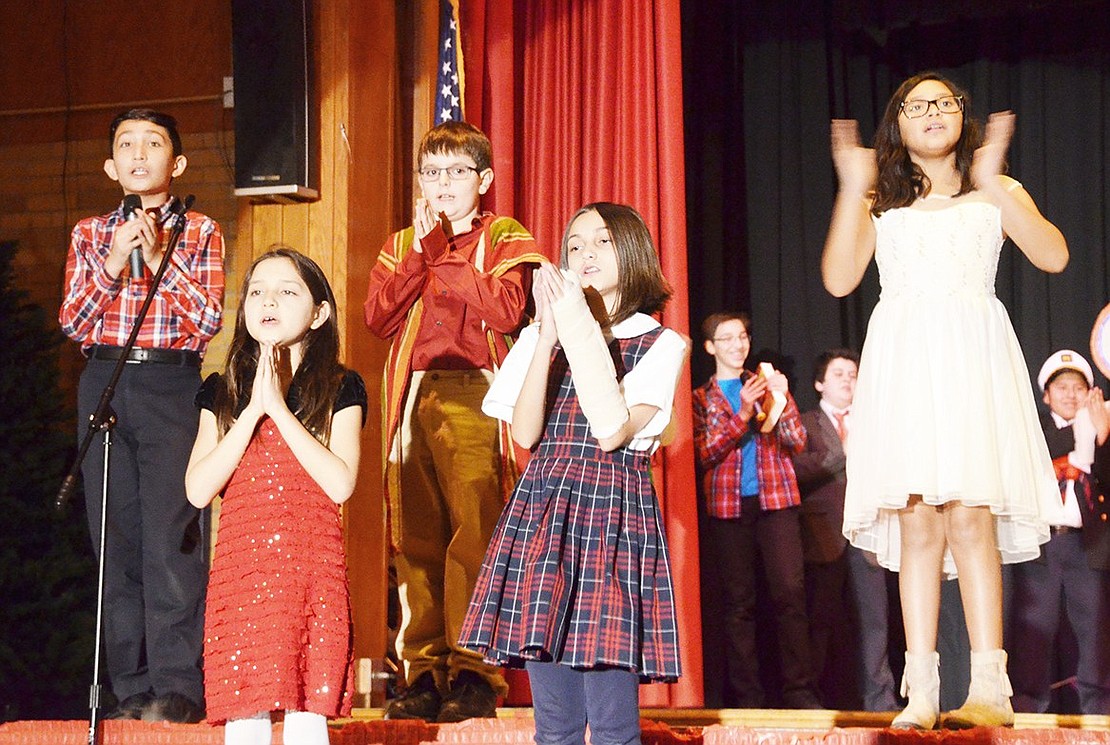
[[47, 572]]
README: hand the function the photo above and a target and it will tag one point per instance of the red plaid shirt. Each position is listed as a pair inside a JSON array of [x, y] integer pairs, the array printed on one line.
[[185, 313], [717, 433]]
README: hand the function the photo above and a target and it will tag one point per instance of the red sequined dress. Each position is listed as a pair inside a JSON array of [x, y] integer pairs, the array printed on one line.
[[277, 619]]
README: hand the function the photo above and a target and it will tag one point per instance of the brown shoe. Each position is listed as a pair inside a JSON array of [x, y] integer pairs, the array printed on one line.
[[420, 700], [471, 697]]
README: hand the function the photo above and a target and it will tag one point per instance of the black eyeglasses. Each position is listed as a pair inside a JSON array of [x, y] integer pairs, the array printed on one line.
[[455, 173], [918, 107]]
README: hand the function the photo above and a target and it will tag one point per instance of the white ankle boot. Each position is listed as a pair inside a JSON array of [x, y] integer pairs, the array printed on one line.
[[988, 696], [921, 684]]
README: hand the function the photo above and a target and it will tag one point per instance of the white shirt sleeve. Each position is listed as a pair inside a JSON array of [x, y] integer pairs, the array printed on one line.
[[653, 382], [1083, 455], [503, 392]]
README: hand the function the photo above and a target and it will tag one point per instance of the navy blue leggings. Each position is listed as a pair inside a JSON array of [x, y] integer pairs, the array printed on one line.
[[565, 699]]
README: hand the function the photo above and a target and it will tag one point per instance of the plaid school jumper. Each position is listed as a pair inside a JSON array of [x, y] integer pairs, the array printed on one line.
[[577, 570]]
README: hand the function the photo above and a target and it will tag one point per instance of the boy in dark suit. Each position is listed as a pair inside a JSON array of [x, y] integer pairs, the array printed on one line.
[[832, 565]]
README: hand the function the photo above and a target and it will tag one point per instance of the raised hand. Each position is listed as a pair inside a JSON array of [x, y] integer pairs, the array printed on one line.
[[856, 166], [543, 278], [564, 282], [990, 157], [567, 291], [778, 382], [424, 221], [1100, 417], [752, 391]]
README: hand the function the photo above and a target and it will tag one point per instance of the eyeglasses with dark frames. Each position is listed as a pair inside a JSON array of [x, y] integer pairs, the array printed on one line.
[[455, 173], [919, 107]]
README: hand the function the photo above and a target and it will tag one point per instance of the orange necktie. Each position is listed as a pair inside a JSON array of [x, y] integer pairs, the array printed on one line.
[[841, 425]]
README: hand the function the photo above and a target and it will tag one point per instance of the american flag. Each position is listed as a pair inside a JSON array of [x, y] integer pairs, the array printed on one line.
[[449, 81]]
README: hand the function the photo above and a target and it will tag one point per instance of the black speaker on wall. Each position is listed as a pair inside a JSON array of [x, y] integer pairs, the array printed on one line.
[[276, 142]]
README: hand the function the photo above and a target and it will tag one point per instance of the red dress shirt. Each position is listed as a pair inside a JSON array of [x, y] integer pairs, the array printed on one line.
[[460, 297]]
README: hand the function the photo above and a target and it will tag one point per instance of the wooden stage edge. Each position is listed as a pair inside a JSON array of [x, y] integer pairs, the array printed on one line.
[[660, 727], [825, 719]]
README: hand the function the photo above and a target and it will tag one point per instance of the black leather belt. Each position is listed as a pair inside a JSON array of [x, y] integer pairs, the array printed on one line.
[[1062, 529], [140, 355]]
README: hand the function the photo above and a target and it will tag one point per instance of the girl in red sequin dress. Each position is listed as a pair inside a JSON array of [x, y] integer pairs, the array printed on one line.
[[279, 438]]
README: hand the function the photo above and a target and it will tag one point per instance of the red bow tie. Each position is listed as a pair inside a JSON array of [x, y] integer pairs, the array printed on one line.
[[1065, 471]]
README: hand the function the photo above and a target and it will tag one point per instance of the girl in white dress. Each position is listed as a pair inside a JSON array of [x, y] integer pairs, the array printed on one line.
[[948, 473]]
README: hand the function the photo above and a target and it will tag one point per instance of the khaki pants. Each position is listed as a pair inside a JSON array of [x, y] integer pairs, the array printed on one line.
[[450, 503]]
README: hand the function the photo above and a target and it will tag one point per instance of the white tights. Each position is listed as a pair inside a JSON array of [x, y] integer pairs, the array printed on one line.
[[301, 728]]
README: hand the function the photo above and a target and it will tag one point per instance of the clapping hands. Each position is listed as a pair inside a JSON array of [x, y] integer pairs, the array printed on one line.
[[549, 285], [856, 166], [1100, 417], [424, 221], [990, 158]]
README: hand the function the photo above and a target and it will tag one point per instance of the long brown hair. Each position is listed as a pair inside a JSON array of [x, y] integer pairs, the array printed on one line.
[[318, 377], [901, 181], [642, 288]]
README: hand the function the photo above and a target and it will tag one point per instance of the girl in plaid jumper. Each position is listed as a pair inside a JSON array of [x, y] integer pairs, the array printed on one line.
[[576, 584]]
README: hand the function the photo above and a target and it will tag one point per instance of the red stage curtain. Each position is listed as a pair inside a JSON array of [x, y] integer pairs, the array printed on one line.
[[583, 102]]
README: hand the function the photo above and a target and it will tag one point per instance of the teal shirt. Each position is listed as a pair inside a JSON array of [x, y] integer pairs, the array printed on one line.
[[749, 473]]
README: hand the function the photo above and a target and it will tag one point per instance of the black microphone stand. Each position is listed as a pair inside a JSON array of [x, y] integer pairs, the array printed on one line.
[[102, 420]]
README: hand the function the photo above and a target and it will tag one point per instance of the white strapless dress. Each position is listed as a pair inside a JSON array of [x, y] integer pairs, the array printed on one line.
[[944, 407]]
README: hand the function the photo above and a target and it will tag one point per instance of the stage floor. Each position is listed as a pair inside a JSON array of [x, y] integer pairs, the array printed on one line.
[[660, 727]]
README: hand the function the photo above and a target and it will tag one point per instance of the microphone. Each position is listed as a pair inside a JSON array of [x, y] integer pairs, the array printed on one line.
[[179, 207], [132, 203]]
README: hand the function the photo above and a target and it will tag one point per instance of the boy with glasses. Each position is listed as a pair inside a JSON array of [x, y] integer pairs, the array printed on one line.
[[751, 505], [449, 291]]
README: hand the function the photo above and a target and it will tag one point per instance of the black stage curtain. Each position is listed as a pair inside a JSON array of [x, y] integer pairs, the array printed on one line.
[[763, 79]]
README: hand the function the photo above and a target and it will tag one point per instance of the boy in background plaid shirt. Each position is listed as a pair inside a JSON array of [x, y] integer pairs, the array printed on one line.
[[751, 504]]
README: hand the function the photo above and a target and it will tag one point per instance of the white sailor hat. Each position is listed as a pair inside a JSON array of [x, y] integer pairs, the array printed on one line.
[[1065, 359]]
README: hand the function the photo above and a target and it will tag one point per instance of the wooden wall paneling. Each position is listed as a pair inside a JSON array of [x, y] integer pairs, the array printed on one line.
[[371, 155], [265, 227], [296, 220], [334, 170], [237, 259], [425, 70], [80, 55]]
